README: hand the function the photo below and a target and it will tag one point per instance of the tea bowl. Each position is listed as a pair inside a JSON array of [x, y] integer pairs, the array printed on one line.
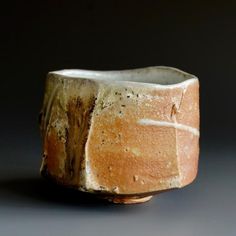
[[121, 135]]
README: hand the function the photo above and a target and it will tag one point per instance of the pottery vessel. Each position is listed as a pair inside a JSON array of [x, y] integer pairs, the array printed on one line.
[[122, 135]]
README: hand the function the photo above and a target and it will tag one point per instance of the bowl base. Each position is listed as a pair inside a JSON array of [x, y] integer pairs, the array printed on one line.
[[127, 199]]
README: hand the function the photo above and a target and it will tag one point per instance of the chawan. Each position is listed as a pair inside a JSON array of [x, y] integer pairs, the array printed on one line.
[[122, 135]]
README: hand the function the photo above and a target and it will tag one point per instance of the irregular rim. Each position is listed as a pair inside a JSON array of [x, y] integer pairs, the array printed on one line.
[[106, 76]]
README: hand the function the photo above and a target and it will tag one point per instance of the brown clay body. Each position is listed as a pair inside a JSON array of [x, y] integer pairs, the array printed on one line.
[[124, 135]]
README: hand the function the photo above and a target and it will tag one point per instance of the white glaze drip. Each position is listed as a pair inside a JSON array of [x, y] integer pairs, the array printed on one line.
[[190, 129]]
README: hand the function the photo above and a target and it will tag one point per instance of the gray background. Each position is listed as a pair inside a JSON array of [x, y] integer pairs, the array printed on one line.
[[40, 36]]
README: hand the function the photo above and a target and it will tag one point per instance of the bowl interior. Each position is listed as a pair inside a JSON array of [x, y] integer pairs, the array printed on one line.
[[154, 75]]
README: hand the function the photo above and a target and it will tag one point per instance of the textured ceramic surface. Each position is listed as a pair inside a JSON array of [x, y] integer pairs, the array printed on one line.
[[123, 135]]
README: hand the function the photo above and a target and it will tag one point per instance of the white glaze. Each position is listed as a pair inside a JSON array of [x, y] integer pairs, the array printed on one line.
[[156, 76], [190, 129]]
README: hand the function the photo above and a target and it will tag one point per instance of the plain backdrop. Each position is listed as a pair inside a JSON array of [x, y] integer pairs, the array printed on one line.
[[40, 36]]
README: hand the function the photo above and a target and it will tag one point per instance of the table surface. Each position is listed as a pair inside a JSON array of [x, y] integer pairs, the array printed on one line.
[[31, 206]]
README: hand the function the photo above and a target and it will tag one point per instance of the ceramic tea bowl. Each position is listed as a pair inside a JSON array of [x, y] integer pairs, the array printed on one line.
[[121, 135]]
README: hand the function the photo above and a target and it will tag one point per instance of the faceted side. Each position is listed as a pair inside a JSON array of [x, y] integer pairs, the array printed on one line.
[[188, 142], [123, 156], [65, 124]]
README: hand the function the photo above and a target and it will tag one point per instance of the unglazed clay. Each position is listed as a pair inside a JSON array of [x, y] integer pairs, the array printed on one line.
[[123, 135]]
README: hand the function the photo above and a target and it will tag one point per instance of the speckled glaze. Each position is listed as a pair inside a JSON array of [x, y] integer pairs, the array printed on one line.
[[124, 135]]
